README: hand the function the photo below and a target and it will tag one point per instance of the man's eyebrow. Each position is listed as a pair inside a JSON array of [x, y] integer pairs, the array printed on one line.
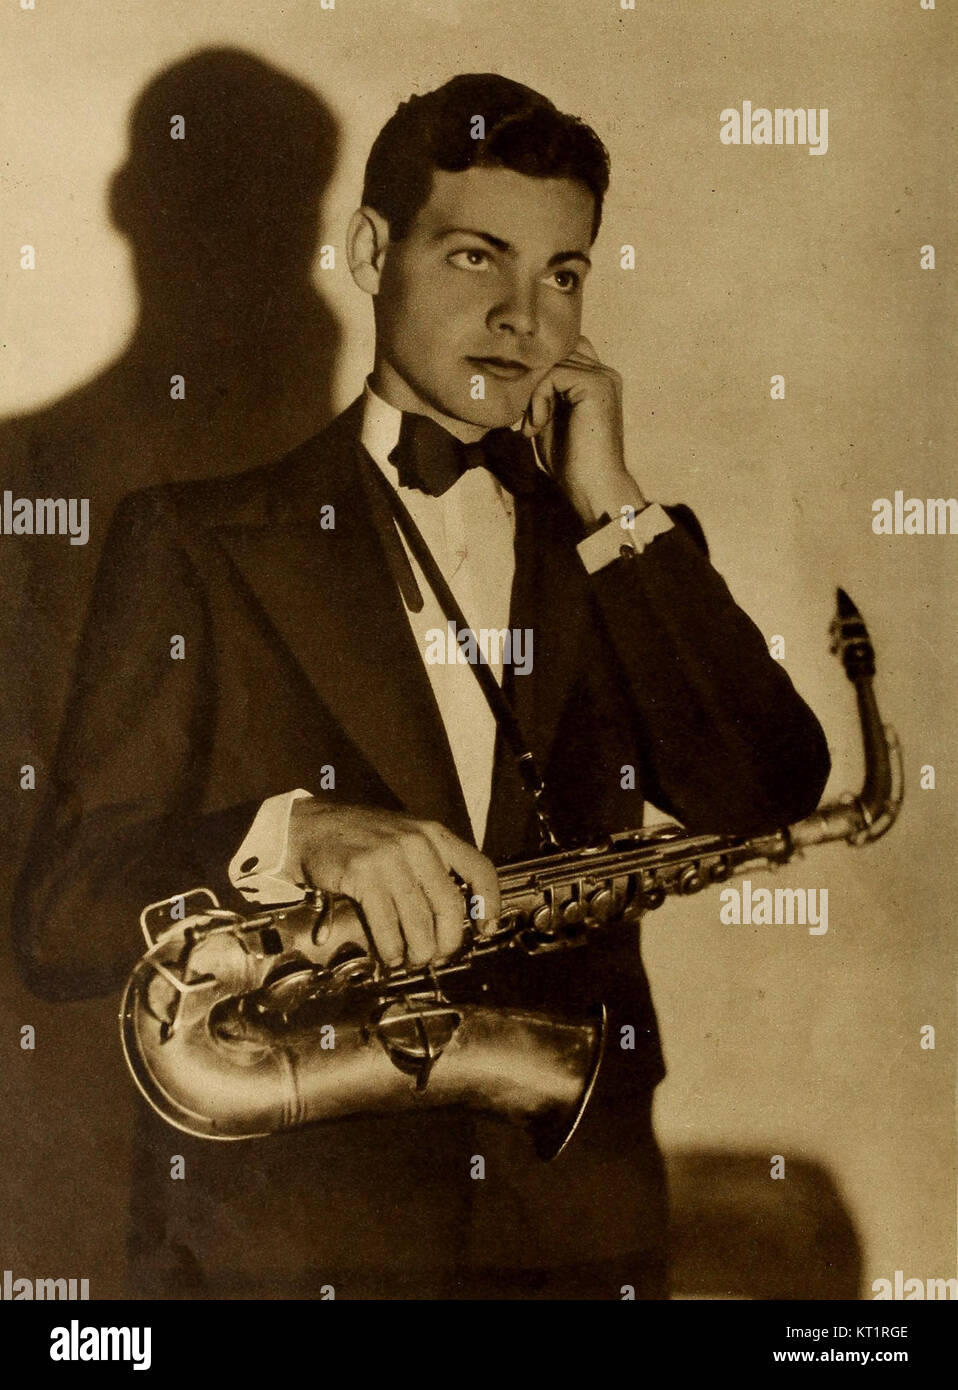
[[569, 256], [500, 245], [495, 241]]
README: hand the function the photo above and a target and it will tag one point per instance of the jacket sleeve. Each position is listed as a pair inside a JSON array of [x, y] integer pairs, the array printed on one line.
[[728, 745], [119, 823]]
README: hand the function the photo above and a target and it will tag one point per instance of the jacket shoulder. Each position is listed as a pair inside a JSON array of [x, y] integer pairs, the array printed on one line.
[[247, 496]]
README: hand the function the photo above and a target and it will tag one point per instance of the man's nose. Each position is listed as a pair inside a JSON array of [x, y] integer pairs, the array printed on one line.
[[516, 313]]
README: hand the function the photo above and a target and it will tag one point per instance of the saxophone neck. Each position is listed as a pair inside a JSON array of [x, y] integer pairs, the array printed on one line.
[[866, 817]]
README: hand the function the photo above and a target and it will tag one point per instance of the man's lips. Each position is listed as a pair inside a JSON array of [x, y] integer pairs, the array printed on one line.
[[505, 368]]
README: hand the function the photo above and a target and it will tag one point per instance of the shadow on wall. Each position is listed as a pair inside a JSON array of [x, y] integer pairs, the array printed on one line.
[[223, 226], [738, 1233]]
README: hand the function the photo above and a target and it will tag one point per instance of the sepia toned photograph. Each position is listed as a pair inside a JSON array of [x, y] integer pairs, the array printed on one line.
[[478, 686]]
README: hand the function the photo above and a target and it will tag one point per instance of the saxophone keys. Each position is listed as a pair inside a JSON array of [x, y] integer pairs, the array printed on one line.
[[575, 923], [414, 1032], [604, 904], [652, 896], [692, 880], [573, 913], [544, 920]]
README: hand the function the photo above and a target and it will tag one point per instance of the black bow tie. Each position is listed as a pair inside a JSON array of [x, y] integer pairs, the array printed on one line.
[[431, 459]]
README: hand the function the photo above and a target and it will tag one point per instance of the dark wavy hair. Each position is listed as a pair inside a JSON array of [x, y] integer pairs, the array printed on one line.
[[524, 131]]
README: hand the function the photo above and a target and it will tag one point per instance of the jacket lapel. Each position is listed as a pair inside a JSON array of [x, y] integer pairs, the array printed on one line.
[[329, 595], [550, 596]]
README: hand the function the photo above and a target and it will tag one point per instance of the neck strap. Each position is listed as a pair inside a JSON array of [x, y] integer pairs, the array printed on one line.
[[502, 711]]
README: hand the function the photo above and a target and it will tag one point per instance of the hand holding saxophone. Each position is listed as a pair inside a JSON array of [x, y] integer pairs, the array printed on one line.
[[398, 870]]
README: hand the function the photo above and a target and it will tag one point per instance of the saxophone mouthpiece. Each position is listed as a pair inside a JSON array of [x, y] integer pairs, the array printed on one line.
[[844, 606], [850, 639]]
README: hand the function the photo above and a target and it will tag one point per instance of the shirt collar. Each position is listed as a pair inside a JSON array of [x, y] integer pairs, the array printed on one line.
[[380, 430]]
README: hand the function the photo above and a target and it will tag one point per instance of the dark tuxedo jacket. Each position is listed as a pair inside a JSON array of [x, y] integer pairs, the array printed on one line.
[[298, 654]]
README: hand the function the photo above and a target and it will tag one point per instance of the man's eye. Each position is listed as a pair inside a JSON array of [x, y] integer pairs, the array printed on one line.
[[472, 259], [566, 280]]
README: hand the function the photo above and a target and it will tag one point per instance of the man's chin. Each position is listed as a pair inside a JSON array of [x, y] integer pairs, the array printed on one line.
[[503, 403], [491, 419], [497, 409]]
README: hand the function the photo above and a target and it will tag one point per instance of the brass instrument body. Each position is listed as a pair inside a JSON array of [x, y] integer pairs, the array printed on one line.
[[261, 1024], [237, 1027]]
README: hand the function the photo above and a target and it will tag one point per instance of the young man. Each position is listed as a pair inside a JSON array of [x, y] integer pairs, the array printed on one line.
[[307, 632]]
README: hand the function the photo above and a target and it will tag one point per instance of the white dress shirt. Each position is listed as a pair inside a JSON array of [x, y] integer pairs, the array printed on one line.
[[470, 531]]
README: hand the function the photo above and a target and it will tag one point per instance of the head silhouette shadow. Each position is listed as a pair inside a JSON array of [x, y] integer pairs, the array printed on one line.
[[220, 199], [223, 226]]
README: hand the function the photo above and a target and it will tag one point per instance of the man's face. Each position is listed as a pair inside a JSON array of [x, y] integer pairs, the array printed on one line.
[[487, 283]]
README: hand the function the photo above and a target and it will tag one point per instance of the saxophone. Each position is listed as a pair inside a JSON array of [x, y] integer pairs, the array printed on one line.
[[236, 1027]]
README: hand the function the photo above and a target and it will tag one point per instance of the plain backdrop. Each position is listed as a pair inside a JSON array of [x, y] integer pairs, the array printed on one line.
[[749, 262]]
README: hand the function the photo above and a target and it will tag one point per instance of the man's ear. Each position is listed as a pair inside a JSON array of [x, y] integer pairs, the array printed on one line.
[[366, 241]]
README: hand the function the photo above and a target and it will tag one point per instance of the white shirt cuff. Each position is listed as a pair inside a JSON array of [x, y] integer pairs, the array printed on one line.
[[627, 534], [256, 869]]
